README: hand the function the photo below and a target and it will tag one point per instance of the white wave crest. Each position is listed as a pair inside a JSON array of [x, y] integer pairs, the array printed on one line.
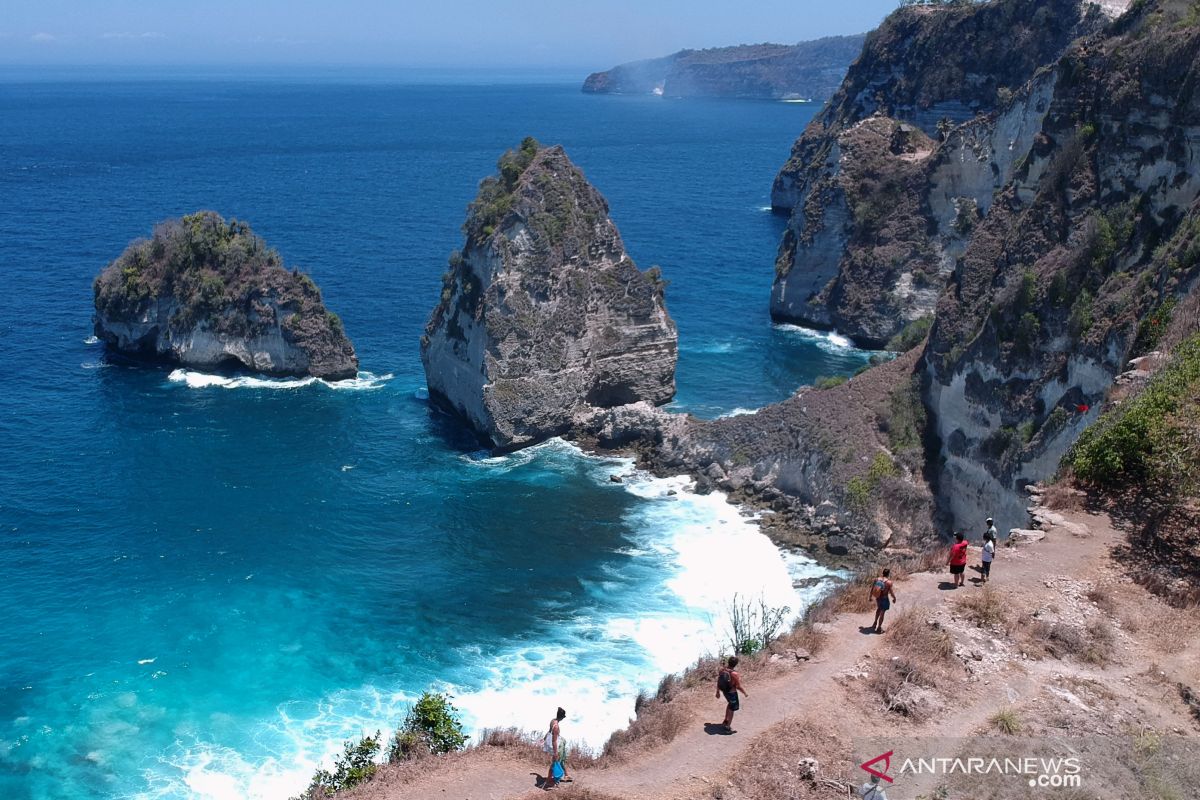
[[675, 587], [92, 340], [739, 412], [202, 380], [830, 341]]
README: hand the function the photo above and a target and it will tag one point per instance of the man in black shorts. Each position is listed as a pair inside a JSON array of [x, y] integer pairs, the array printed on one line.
[[729, 683]]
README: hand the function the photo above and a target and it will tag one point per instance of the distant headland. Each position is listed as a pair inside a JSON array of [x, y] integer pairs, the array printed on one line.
[[805, 71]]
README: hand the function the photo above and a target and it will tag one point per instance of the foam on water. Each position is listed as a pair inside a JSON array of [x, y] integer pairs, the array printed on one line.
[[594, 664], [202, 380], [92, 340], [739, 412], [830, 341]]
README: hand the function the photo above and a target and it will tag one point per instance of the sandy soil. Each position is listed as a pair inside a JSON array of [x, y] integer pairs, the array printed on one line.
[[1075, 657]]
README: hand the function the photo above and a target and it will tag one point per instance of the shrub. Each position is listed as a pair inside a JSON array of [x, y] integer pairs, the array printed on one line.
[[753, 625], [355, 765], [430, 726], [829, 381], [1006, 721], [912, 335], [1146, 439]]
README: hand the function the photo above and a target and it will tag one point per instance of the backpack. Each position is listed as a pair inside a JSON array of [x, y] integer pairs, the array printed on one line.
[[879, 588], [724, 681]]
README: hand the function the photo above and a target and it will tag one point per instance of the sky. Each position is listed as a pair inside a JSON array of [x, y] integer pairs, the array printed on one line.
[[537, 34]]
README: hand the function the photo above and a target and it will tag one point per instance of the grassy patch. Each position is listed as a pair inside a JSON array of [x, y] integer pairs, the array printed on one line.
[[1006, 721], [1150, 439]]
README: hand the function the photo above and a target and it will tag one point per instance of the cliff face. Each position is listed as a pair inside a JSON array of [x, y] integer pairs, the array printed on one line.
[[209, 294], [808, 70], [886, 183], [1078, 264], [543, 315], [842, 469]]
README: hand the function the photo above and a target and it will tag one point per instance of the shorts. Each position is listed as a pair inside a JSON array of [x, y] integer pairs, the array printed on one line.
[[958, 569], [732, 699], [883, 603], [987, 568]]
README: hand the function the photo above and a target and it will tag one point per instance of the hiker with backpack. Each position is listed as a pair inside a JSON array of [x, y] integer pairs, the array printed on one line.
[[729, 683], [881, 591], [557, 749]]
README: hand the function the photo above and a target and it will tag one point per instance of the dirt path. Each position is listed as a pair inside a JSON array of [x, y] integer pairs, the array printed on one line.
[[1067, 577]]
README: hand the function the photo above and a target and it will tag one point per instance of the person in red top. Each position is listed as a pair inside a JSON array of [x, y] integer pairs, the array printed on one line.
[[958, 559]]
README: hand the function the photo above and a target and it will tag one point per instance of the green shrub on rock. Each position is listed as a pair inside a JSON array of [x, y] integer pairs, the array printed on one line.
[[1150, 439], [431, 726]]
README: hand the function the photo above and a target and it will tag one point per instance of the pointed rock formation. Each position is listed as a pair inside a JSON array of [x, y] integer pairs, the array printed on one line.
[[543, 316], [209, 294]]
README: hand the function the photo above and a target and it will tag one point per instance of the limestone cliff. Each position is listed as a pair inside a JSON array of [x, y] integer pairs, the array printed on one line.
[[209, 294], [888, 180], [543, 315], [808, 70], [1077, 265]]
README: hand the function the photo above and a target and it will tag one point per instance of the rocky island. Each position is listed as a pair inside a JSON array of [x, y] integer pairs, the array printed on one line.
[[208, 293], [543, 316], [808, 70]]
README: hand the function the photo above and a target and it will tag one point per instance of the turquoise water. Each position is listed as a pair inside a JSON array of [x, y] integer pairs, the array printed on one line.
[[210, 582]]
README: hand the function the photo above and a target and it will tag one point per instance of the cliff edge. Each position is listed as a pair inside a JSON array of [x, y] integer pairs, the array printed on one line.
[[210, 294], [543, 315], [886, 183]]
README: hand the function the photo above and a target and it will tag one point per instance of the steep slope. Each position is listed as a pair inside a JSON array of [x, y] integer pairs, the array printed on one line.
[[808, 70], [207, 293], [885, 183], [1077, 265], [543, 315]]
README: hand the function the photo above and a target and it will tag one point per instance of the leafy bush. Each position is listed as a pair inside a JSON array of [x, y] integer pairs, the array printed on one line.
[[430, 726], [829, 381], [913, 334], [495, 196], [1148, 439], [861, 488], [354, 766]]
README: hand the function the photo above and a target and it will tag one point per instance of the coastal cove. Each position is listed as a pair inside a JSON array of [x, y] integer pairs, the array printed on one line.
[[214, 580]]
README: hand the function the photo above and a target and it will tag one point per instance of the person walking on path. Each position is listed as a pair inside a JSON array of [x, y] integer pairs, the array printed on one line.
[[729, 683], [989, 553], [557, 749], [958, 559], [871, 790], [991, 532], [881, 589]]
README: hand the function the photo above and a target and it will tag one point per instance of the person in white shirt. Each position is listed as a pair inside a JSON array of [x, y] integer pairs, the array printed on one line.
[[989, 552], [871, 790]]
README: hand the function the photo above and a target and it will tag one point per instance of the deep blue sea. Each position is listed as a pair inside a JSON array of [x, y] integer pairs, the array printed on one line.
[[209, 583]]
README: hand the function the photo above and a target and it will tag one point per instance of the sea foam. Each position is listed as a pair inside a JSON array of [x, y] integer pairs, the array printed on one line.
[[202, 380], [697, 551]]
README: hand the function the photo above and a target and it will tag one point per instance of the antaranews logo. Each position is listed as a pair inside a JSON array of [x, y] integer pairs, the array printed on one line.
[[1039, 772]]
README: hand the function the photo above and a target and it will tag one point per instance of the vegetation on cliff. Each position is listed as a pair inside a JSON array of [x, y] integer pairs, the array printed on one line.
[[542, 313], [216, 275]]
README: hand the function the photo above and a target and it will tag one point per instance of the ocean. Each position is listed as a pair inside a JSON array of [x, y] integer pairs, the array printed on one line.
[[210, 582]]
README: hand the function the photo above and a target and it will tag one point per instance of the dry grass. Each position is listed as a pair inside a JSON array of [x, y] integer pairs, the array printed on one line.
[[1063, 496], [924, 656], [1006, 721], [985, 608], [854, 596], [770, 769], [1091, 644], [657, 723]]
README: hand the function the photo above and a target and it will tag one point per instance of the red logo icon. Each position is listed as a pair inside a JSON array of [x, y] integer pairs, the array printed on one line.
[[886, 758]]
